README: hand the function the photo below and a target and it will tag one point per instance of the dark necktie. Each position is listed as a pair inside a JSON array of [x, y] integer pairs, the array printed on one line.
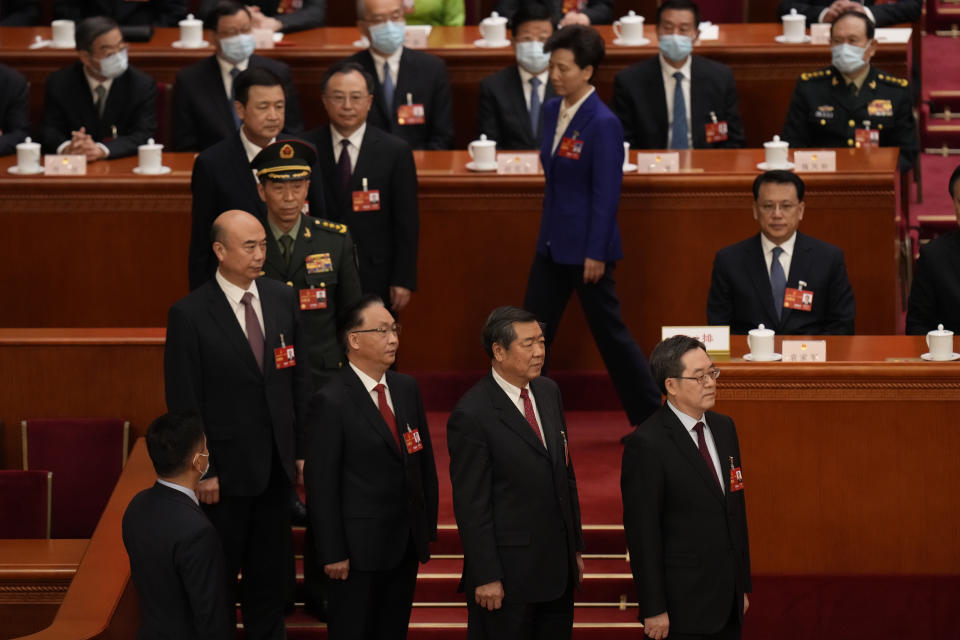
[[387, 87], [679, 128], [286, 248], [530, 415], [234, 72], [535, 106], [343, 166], [387, 413], [778, 281], [254, 332], [705, 453], [101, 101]]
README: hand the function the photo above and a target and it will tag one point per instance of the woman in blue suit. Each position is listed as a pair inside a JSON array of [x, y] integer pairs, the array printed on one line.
[[579, 240]]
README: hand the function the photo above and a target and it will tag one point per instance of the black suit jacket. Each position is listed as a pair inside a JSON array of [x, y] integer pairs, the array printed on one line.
[[367, 498], [131, 110], [311, 15], [177, 566], [885, 14], [515, 501], [222, 180], [202, 113], [209, 368], [599, 11], [639, 100], [688, 543], [502, 112], [14, 121], [424, 77], [741, 297], [19, 13], [386, 239], [935, 292], [159, 13]]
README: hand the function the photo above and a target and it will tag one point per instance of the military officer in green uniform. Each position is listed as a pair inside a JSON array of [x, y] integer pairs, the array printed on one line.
[[851, 103]]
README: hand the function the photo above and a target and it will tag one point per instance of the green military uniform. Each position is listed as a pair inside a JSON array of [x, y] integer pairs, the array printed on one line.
[[825, 112]]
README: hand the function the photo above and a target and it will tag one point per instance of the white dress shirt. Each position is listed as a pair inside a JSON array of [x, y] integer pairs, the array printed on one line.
[[669, 87], [688, 424], [235, 295], [93, 83], [353, 148], [525, 77], [565, 117], [182, 489], [225, 68], [785, 257], [513, 392], [393, 61], [369, 383]]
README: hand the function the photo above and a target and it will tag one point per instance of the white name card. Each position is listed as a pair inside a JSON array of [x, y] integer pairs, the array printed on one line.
[[716, 339], [658, 162], [820, 33], [518, 163], [804, 350], [815, 161], [709, 31], [415, 36], [263, 38], [64, 165]]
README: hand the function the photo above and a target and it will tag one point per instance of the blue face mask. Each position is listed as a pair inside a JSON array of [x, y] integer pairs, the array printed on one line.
[[387, 37], [114, 65], [848, 58], [675, 47], [237, 48], [531, 57]]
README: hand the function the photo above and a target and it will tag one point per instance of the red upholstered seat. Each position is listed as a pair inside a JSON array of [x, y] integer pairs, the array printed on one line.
[[86, 457], [25, 504]]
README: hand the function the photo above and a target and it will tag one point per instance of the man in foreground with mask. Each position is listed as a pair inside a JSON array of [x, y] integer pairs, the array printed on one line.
[[203, 95], [851, 103], [412, 98], [510, 99], [99, 106], [678, 100]]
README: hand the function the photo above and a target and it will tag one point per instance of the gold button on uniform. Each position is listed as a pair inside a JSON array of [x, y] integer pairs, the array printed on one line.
[[849, 142], [823, 123], [851, 123]]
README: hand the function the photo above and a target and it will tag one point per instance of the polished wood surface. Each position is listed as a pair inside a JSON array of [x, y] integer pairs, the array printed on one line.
[[765, 70]]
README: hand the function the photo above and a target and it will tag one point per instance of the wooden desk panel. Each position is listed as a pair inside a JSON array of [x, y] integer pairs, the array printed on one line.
[[765, 70]]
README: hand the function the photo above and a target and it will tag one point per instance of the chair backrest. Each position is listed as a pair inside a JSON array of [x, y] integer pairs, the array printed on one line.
[[25, 503], [86, 457]]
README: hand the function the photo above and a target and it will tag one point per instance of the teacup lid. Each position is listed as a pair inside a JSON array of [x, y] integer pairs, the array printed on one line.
[[483, 141], [761, 331], [776, 143], [190, 21], [631, 17], [28, 141], [940, 331], [494, 18], [793, 16], [151, 145]]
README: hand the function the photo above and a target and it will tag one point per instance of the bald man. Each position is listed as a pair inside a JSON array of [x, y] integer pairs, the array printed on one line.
[[236, 354]]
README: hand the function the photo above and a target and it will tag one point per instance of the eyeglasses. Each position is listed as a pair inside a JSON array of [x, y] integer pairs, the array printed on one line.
[[341, 99], [770, 207], [382, 331], [713, 374]]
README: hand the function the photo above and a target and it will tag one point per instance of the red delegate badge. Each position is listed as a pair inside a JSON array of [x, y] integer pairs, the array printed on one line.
[[411, 437], [716, 132], [867, 138], [410, 114], [284, 357], [366, 200], [313, 298], [736, 477], [798, 299], [570, 148]]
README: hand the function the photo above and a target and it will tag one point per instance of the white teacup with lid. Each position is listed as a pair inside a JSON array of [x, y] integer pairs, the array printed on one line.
[[483, 152], [940, 344], [151, 157], [63, 34], [28, 157], [794, 26], [493, 29], [191, 32], [760, 341], [629, 28], [776, 153]]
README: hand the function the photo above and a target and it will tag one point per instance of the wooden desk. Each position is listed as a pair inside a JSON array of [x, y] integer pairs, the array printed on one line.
[[765, 70]]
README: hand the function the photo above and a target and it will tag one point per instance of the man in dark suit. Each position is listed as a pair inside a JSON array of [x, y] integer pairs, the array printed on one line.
[[370, 182], [566, 12], [371, 481], [684, 511], [514, 490], [509, 110], [99, 106], [234, 354], [19, 13], [883, 15], [781, 278], [159, 13], [176, 559], [935, 292], [411, 97], [222, 178], [203, 112], [14, 119], [698, 110]]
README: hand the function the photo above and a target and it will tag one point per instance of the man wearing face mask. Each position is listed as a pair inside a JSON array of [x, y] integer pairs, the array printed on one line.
[[852, 103], [678, 100], [203, 95], [99, 106], [511, 99], [412, 98]]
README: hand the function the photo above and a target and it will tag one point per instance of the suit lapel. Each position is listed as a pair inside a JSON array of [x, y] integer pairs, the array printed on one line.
[[689, 450], [115, 102], [217, 93], [371, 413], [366, 59], [245, 177], [722, 439], [698, 112], [364, 167], [223, 315], [518, 103], [800, 264], [550, 421], [757, 269], [271, 328], [511, 416], [301, 248], [87, 110], [658, 101]]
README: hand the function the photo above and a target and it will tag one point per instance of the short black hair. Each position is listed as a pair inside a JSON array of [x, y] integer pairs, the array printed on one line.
[[172, 439], [778, 176], [583, 41], [352, 316], [861, 16], [666, 360], [223, 9], [680, 5], [346, 66], [254, 77], [952, 183], [498, 329], [92, 28], [531, 12]]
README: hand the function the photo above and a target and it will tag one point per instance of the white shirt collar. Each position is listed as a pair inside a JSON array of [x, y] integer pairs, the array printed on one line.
[[687, 422], [248, 146], [568, 112], [368, 382], [393, 60], [525, 76], [355, 138], [94, 83], [512, 391], [667, 70], [226, 65], [233, 292], [787, 245], [182, 489]]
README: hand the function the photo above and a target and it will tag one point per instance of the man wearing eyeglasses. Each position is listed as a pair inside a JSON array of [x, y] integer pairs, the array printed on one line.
[[684, 512], [371, 481], [781, 278]]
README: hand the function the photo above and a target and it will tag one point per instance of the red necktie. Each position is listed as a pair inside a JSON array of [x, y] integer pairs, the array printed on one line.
[[705, 453], [387, 413], [531, 416]]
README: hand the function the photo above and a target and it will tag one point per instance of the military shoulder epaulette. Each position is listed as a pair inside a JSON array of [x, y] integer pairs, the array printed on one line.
[[900, 82], [332, 227], [812, 75]]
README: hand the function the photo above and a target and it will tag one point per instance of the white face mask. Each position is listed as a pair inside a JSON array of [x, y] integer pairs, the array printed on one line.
[[238, 48], [114, 65]]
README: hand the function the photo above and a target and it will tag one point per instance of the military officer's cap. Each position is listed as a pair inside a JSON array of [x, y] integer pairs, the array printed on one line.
[[285, 160]]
